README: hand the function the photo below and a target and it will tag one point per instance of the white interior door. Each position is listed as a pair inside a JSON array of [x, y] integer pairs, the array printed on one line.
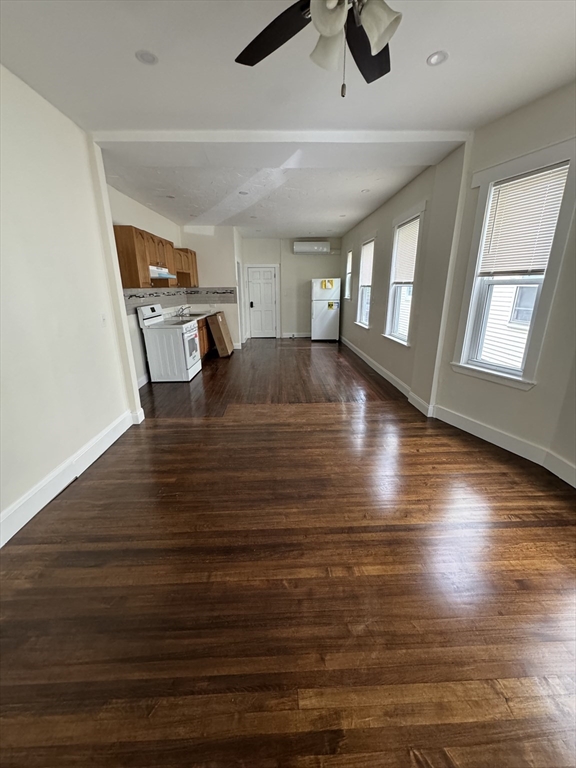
[[262, 298]]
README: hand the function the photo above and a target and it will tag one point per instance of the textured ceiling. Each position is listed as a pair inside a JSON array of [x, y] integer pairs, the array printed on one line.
[[269, 190], [79, 54]]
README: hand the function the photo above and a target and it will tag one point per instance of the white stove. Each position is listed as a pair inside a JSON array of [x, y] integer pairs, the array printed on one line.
[[171, 344]]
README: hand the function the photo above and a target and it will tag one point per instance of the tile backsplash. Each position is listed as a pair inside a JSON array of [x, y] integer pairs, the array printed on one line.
[[175, 297]]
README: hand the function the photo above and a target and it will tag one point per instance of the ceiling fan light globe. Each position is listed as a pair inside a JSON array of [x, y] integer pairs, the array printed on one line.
[[328, 50], [328, 21], [380, 22]]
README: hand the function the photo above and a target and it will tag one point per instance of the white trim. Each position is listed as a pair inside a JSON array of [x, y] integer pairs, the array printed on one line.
[[257, 136], [404, 388], [237, 345], [497, 378], [398, 341], [138, 416], [505, 440], [278, 296], [20, 512], [536, 453], [143, 380], [528, 163], [361, 325], [452, 264], [411, 213], [295, 335], [524, 163], [560, 467], [420, 404]]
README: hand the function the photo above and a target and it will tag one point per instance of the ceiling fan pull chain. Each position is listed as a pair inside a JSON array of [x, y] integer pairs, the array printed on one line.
[[343, 89]]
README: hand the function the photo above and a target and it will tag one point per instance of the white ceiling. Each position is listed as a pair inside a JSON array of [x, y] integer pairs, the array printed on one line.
[[79, 54], [268, 189]]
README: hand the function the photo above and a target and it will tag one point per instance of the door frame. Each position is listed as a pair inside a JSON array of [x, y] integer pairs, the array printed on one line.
[[276, 268]]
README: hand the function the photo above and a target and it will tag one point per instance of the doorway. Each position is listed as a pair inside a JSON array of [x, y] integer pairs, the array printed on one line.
[[262, 301]]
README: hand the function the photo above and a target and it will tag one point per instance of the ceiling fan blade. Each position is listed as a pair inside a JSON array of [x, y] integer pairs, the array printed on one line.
[[371, 67], [283, 28]]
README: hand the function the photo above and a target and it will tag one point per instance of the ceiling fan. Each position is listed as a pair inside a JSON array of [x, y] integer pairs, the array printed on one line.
[[366, 26]]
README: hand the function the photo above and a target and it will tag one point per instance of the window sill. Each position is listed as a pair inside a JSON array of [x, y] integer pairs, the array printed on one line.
[[397, 340], [361, 325], [497, 378]]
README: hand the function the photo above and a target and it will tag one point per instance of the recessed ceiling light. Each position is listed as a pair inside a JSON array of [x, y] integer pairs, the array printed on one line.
[[436, 58], [146, 57], [365, 190], [242, 193]]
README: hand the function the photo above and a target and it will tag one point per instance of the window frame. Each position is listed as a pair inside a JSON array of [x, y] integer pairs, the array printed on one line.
[[360, 285], [348, 275], [484, 180], [393, 302]]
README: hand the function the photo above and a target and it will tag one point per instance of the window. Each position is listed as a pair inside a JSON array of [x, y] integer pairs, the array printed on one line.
[[524, 301], [365, 286], [402, 279], [348, 283], [518, 232]]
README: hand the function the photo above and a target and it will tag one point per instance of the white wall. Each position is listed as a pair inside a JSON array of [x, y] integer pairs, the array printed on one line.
[[215, 254], [216, 249], [129, 212], [530, 416], [296, 272], [63, 343], [410, 367], [538, 423]]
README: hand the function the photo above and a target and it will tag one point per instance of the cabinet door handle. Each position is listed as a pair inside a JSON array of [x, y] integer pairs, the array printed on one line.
[[251, 304]]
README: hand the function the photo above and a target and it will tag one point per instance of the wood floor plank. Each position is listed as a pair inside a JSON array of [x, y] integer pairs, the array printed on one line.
[[288, 566]]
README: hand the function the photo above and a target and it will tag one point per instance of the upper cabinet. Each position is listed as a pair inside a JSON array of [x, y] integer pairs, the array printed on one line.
[[139, 250], [186, 267]]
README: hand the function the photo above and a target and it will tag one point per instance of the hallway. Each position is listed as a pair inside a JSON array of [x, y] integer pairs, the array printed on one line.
[[288, 566]]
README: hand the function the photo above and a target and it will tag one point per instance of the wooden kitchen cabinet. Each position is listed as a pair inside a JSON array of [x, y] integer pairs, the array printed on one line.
[[133, 249], [205, 340], [163, 256], [137, 252], [186, 267]]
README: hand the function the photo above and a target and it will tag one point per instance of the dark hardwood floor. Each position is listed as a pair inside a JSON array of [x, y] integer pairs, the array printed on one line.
[[288, 566]]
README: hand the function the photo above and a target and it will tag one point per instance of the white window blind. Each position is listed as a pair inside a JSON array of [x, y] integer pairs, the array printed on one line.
[[521, 222], [365, 283], [366, 261], [348, 282], [406, 249]]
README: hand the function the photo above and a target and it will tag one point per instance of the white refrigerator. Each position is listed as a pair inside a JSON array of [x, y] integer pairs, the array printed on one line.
[[326, 309]]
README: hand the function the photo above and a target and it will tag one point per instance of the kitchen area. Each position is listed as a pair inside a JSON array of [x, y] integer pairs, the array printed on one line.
[[174, 323]]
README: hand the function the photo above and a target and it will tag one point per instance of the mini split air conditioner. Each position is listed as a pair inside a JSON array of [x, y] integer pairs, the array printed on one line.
[[311, 247]]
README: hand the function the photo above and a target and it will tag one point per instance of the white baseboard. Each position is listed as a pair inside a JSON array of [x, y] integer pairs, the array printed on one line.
[[143, 380], [536, 453], [560, 467], [422, 405], [296, 335], [20, 512], [237, 345], [404, 388], [138, 416], [503, 439]]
